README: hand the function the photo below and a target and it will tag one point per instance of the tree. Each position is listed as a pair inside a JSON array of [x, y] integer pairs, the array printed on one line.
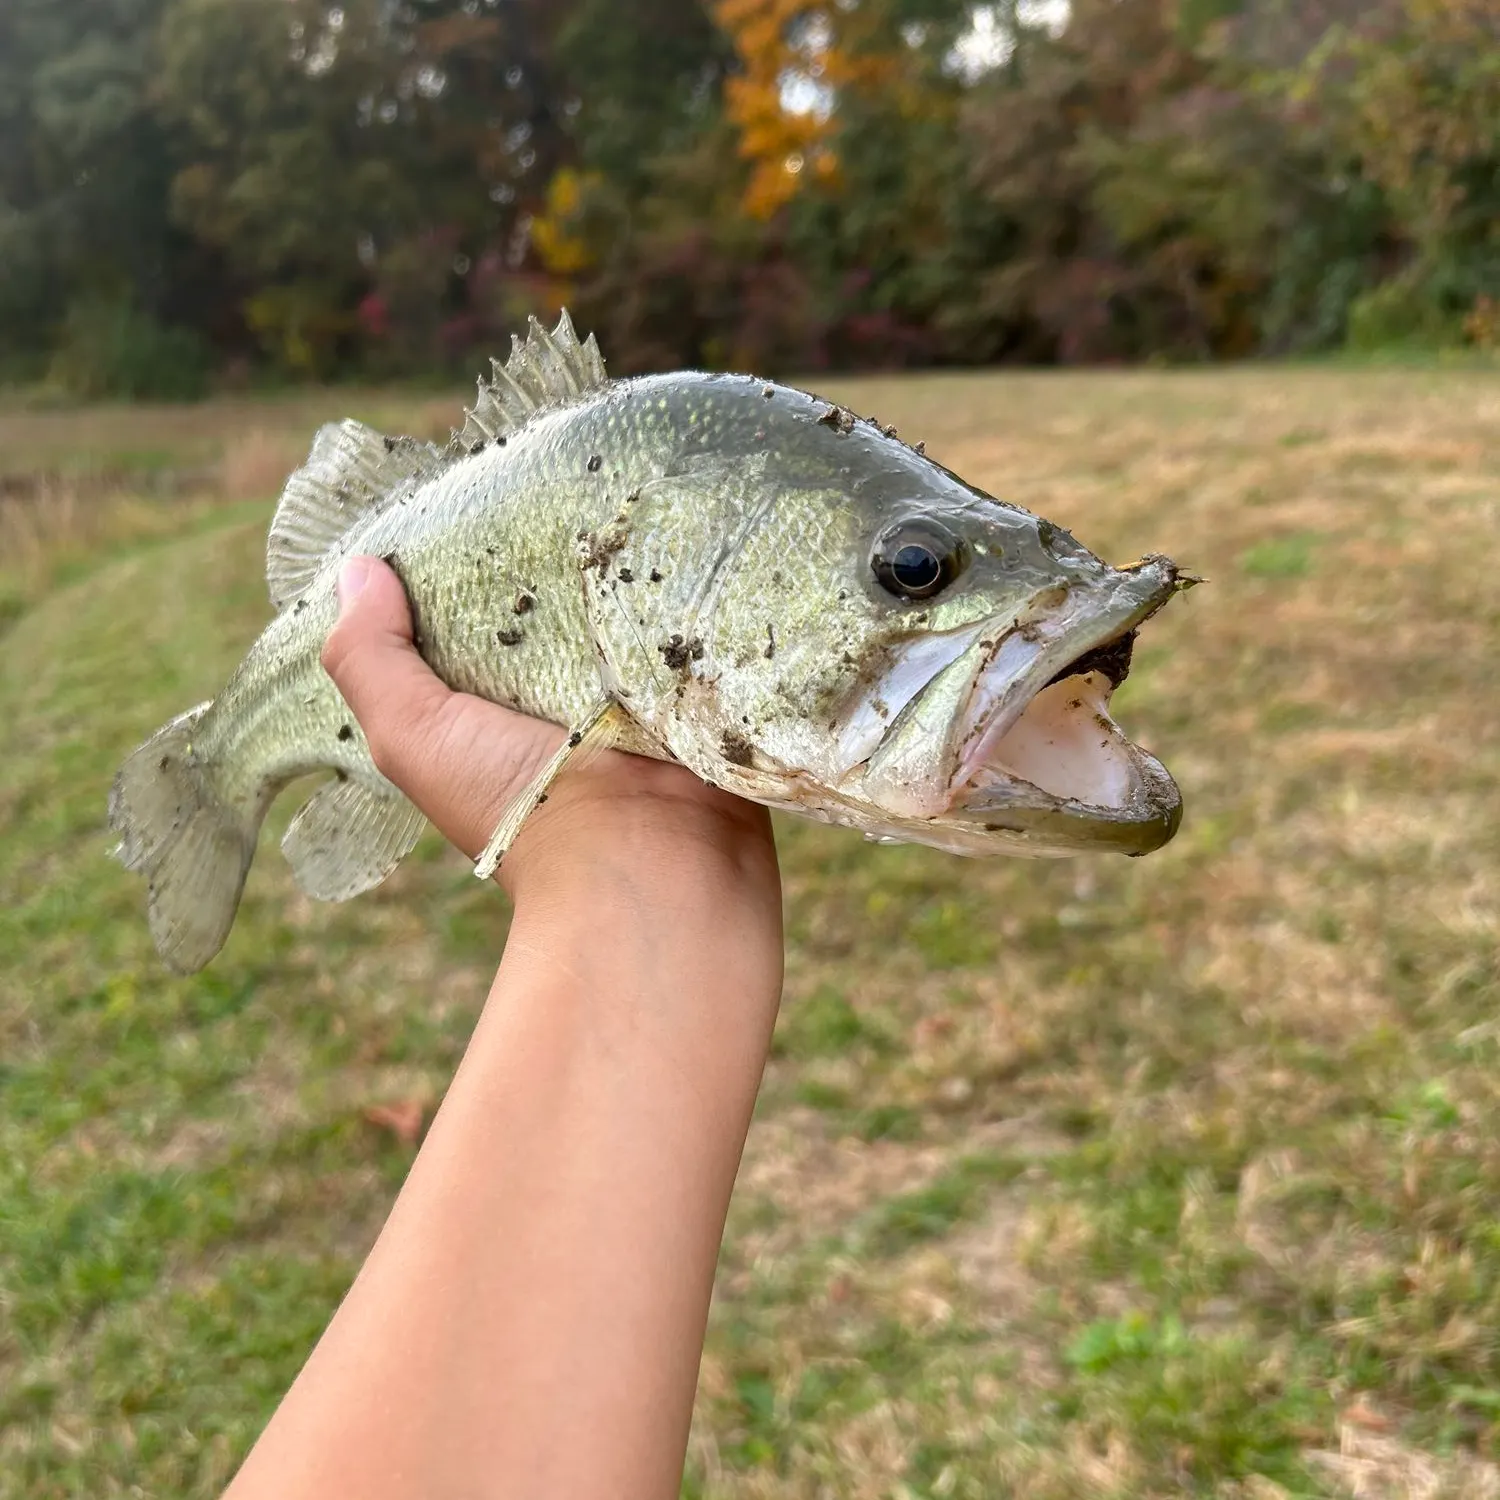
[[364, 156], [1126, 168], [84, 167], [803, 62], [1406, 99]]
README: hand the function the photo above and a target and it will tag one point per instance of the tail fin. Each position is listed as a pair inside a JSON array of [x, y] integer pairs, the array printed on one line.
[[192, 848]]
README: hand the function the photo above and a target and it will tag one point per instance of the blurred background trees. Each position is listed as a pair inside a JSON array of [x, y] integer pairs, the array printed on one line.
[[387, 187]]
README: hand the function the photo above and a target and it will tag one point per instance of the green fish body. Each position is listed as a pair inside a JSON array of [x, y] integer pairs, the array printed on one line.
[[793, 603]]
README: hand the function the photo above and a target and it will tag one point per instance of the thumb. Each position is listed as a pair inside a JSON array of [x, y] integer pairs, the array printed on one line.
[[370, 657]]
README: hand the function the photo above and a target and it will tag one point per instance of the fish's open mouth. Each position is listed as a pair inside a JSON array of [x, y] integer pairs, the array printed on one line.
[[1111, 659], [1029, 757], [1042, 756]]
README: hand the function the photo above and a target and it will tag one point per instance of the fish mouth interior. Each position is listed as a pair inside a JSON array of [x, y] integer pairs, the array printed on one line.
[[1063, 743], [1028, 757], [1112, 660], [1066, 745]]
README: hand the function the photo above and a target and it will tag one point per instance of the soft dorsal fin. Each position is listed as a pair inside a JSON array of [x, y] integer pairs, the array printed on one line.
[[547, 371], [351, 469]]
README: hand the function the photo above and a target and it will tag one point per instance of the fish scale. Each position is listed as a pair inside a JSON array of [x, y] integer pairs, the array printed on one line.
[[727, 572]]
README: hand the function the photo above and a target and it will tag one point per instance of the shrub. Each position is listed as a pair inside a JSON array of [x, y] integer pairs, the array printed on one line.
[[1402, 314], [110, 348]]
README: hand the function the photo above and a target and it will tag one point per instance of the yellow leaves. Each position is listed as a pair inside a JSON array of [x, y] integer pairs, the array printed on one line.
[[778, 143], [776, 140], [556, 233], [797, 59]]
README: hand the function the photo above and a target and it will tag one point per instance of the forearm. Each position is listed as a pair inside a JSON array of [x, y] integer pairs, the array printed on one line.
[[530, 1321]]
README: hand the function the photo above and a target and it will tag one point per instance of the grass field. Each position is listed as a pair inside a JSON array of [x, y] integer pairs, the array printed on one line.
[[1113, 1178]]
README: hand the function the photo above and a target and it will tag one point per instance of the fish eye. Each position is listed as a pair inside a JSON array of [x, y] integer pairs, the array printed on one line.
[[918, 559]]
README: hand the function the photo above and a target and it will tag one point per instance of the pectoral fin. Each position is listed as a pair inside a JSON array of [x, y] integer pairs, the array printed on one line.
[[604, 727]]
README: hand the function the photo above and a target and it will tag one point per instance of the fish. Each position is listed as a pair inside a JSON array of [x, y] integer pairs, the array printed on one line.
[[718, 570]]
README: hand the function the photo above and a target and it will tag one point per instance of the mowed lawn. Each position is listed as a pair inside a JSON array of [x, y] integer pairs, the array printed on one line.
[[1088, 1178]]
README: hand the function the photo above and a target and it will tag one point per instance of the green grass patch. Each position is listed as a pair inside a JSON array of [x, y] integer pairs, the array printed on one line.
[[1281, 557]]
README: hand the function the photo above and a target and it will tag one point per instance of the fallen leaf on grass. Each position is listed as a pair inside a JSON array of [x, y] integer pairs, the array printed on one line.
[[1362, 1414], [403, 1118]]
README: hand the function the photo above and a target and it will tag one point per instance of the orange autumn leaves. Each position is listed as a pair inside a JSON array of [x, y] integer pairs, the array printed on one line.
[[796, 58]]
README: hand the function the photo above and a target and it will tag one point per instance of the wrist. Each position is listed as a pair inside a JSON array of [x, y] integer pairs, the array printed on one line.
[[651, 931], [645, 831]]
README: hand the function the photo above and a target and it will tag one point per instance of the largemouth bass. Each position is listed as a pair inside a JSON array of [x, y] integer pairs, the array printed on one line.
[[793, 603]]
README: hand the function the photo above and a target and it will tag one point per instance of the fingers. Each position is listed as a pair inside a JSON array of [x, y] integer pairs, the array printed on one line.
[[369, 654]]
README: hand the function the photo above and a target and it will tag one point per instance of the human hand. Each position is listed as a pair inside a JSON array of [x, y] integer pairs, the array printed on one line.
[[531, 1318], [462, 760]]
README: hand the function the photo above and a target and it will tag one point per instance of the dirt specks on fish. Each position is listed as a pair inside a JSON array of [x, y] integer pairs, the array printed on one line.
[[598, 548], [738, 750], [677, 653]]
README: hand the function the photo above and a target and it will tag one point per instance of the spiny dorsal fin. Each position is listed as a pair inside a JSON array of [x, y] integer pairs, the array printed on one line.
[[351, 469], [547, 371]]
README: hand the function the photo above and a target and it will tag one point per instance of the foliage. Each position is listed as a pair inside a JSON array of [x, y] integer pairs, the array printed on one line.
[[776, 183], [1105, 148], [84, 164], [112, 349], [1412, 99]]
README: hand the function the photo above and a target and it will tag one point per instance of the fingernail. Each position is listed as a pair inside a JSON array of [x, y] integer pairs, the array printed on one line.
[[353, 577]]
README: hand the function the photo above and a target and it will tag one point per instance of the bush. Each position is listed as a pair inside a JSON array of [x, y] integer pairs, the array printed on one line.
[[1402, 314], [113, 349]]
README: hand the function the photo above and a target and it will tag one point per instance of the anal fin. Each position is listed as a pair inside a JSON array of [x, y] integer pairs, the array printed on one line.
[[348, 837], [602, 729]]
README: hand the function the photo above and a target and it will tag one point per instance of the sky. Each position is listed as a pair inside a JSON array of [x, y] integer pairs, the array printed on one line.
[[989, 41], [986, 46]]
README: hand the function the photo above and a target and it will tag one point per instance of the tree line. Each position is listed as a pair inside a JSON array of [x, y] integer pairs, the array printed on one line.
[[387, 187]]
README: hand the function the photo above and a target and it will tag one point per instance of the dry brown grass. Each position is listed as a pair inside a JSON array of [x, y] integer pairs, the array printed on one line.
[[75, 486], [255, 464]]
